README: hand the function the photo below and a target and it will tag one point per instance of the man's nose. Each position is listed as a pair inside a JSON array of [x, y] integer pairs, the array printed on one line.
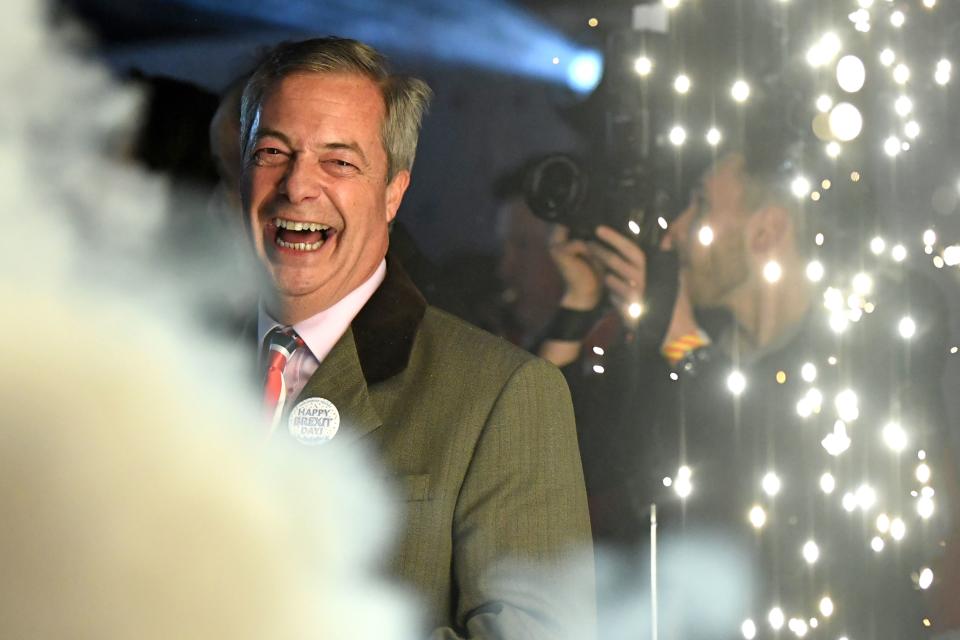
[[303, 180]]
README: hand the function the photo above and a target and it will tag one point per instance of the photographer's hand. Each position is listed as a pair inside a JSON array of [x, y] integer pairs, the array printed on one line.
[[583, 290], [625, 265]]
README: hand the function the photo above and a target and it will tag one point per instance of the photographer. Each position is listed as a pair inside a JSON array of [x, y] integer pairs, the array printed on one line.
[[695, 421]]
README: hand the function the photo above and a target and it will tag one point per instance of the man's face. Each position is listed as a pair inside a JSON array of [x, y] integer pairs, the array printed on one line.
[[315, 187], [533, 284], [714, 271]]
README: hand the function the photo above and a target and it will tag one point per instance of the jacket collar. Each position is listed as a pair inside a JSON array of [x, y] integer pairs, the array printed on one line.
[[385, 328]]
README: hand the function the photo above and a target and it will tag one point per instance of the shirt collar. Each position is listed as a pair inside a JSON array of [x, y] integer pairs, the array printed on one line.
[[321, 331]]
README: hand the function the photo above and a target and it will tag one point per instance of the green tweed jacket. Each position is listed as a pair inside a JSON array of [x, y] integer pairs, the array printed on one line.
[[480, 439]]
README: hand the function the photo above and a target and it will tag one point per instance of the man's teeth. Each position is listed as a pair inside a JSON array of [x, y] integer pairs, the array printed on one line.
[[290, 225], [300, 246]]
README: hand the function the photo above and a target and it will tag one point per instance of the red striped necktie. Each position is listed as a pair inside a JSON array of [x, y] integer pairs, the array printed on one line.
[[280, 345]]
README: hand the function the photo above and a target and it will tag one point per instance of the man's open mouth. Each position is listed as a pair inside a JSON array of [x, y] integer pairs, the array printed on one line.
[[301, 236]]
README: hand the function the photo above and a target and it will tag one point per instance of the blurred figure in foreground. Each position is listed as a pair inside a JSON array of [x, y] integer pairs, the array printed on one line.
[[137, 501]]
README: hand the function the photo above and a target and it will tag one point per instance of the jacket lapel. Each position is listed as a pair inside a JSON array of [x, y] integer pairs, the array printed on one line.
[[375, 348], [339, 379]]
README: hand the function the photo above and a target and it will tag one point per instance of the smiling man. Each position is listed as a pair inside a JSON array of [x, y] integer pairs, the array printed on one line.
[[478, 436]]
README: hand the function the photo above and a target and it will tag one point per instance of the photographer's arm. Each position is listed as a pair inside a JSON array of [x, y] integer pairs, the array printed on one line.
[[582, 293]]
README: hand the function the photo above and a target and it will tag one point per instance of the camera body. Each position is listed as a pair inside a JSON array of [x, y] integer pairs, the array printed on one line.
[[562, 189]]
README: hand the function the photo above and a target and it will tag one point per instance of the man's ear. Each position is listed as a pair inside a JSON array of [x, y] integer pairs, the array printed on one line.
[[395, 190], [768, 228]]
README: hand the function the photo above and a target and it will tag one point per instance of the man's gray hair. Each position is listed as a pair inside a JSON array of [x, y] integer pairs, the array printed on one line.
[[406, 99]]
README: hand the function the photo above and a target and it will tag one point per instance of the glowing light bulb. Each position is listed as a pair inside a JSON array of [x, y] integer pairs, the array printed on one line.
[[828, 483], [740, 90], [635, 310], [925, 507], [887, 57], [815, 271], [598, 368], [833, 299], [826, 606], [901, 73], [862, 284], [877, 245], [951, 255], [705, 235], [833, 149], [811, 552], [736, 382], [671, 4], [770, 483], [911, 129], [758, 517], [643, 66], [798, 626], [776, 618], [851, 73], [662, 223], [837, 441], [678, 135], [907, 327], [818, 239], [859, 16], [894, 436], [891, 146], [903, 105], [772, 271], [800, 186], [897, 18], [898, 253], [877, 544], [929, 236], [808, 372], [824, 103], [866, 497], [929, 4], [845, 122], [748, 629], [923, 473], [714, 136], [849, 502], [681, 84], [883, 523], [926, 578], [848, 405], [682, 484], [898, 529]]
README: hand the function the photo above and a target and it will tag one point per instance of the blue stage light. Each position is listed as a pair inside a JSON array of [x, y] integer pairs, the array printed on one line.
[[487, 34], [584, 71]]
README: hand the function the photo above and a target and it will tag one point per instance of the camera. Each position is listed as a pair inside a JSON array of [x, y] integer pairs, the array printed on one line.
[[559, 188]]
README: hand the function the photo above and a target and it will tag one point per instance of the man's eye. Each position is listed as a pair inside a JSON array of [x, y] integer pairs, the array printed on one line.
[[340, 166], [269, 156]]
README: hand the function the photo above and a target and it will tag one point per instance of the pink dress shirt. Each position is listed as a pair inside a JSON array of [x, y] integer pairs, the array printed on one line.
[[319, 332]]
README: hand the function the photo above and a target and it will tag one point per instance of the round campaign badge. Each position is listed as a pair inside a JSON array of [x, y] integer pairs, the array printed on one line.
[[314, 421]]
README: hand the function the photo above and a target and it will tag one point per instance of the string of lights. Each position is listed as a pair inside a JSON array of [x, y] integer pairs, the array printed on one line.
[[856, 64]]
